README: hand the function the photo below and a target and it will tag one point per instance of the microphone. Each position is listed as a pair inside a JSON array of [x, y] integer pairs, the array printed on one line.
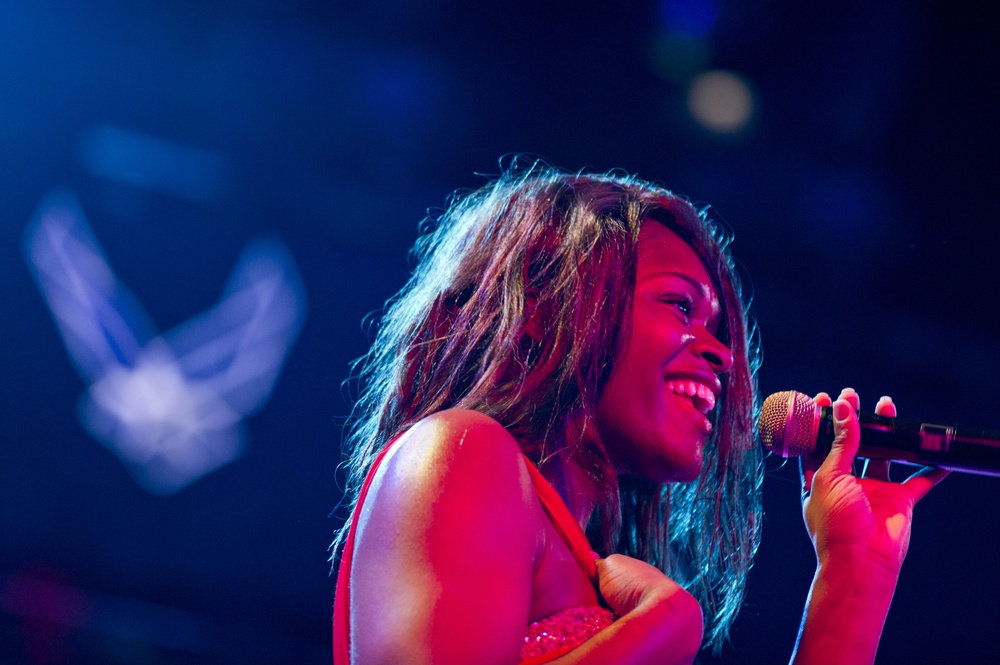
[[791, 424]]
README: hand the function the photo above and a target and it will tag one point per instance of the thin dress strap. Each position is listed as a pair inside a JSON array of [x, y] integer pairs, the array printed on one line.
[[565, 524]]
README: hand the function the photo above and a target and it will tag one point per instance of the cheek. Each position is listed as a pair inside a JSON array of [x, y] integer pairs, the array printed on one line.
[[630, 420], [631, 390], [634, 393], [648, 350]]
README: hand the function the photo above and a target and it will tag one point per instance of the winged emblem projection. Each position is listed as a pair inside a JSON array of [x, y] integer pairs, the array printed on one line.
[[171, 404]]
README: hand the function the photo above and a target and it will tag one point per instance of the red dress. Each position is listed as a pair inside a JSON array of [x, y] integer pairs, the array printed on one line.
[[546, 639]]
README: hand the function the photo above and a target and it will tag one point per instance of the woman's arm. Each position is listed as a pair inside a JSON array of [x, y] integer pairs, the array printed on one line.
[[860, 528], [445, 548]]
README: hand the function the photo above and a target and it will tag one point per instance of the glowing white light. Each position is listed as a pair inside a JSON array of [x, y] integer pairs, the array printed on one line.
[[720, 101], [169, 405]]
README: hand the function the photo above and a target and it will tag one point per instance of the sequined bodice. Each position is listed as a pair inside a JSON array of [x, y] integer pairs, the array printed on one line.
[[562, 632]]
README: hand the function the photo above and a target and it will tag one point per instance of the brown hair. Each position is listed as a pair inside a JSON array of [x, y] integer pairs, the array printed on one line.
[[542, 245]]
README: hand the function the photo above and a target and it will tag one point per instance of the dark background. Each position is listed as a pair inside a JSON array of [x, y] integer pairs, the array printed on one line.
[[862, 195]]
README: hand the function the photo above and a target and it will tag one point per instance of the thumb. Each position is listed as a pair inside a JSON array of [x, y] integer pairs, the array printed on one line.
[[847, 438]]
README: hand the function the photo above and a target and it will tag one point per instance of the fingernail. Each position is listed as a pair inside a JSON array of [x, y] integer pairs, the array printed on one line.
[[841, 410]]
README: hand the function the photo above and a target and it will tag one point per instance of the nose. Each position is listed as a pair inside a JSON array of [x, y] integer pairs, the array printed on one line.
[[707, 346]]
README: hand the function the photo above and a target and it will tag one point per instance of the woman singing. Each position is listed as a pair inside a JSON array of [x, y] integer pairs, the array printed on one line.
[[553, 457]]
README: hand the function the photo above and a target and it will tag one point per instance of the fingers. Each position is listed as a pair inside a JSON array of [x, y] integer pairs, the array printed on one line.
[[847, 437], [920, 483], [840, 459], [847, 431], [879, 469], [851, 396], [923, 481], [885, 407]]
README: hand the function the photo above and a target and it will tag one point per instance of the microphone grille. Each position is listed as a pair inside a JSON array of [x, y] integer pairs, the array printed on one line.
[[787, 424]]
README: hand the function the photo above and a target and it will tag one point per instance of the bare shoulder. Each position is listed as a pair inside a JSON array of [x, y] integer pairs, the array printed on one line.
[[455, 446], [454, 470], [455, 431], [445, 425], [450, 522]]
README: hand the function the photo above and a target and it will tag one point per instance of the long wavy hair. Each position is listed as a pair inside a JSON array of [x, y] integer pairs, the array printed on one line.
[[538, 247]]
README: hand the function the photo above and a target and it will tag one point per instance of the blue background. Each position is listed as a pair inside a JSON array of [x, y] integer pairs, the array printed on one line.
[[862, 195]]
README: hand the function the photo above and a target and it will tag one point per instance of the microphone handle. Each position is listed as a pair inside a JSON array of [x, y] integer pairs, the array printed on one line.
[[924, 444]]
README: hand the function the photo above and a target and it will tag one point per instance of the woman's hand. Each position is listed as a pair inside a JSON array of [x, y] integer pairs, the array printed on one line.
[[860, 527], [660, 621], [867, 518]]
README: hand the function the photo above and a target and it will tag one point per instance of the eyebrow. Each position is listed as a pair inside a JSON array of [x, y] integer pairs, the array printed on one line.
[[697, 284]]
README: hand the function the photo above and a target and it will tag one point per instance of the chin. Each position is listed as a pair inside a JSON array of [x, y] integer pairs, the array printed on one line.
[[686, 470]]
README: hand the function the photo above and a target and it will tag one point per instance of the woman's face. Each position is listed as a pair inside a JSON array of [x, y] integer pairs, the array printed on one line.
[[653, 413]]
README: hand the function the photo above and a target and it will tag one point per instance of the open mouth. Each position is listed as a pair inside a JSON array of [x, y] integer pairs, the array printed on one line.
[[700, 396]]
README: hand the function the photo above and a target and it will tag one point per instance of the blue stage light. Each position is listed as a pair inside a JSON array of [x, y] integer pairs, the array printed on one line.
[[169, 405]]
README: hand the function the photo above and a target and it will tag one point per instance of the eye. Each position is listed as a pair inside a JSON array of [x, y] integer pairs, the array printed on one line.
[[681, 303]]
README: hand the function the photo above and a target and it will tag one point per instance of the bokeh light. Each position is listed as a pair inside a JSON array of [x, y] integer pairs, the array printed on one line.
[[721, 101]]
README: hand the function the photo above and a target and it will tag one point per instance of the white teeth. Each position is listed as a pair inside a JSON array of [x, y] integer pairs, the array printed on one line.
[[708, 396], [705, 401]]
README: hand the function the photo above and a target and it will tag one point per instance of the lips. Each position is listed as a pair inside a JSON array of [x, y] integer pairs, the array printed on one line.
[[700, 396]]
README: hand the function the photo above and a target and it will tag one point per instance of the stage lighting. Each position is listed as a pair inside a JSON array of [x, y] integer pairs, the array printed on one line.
[[169, 405]]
